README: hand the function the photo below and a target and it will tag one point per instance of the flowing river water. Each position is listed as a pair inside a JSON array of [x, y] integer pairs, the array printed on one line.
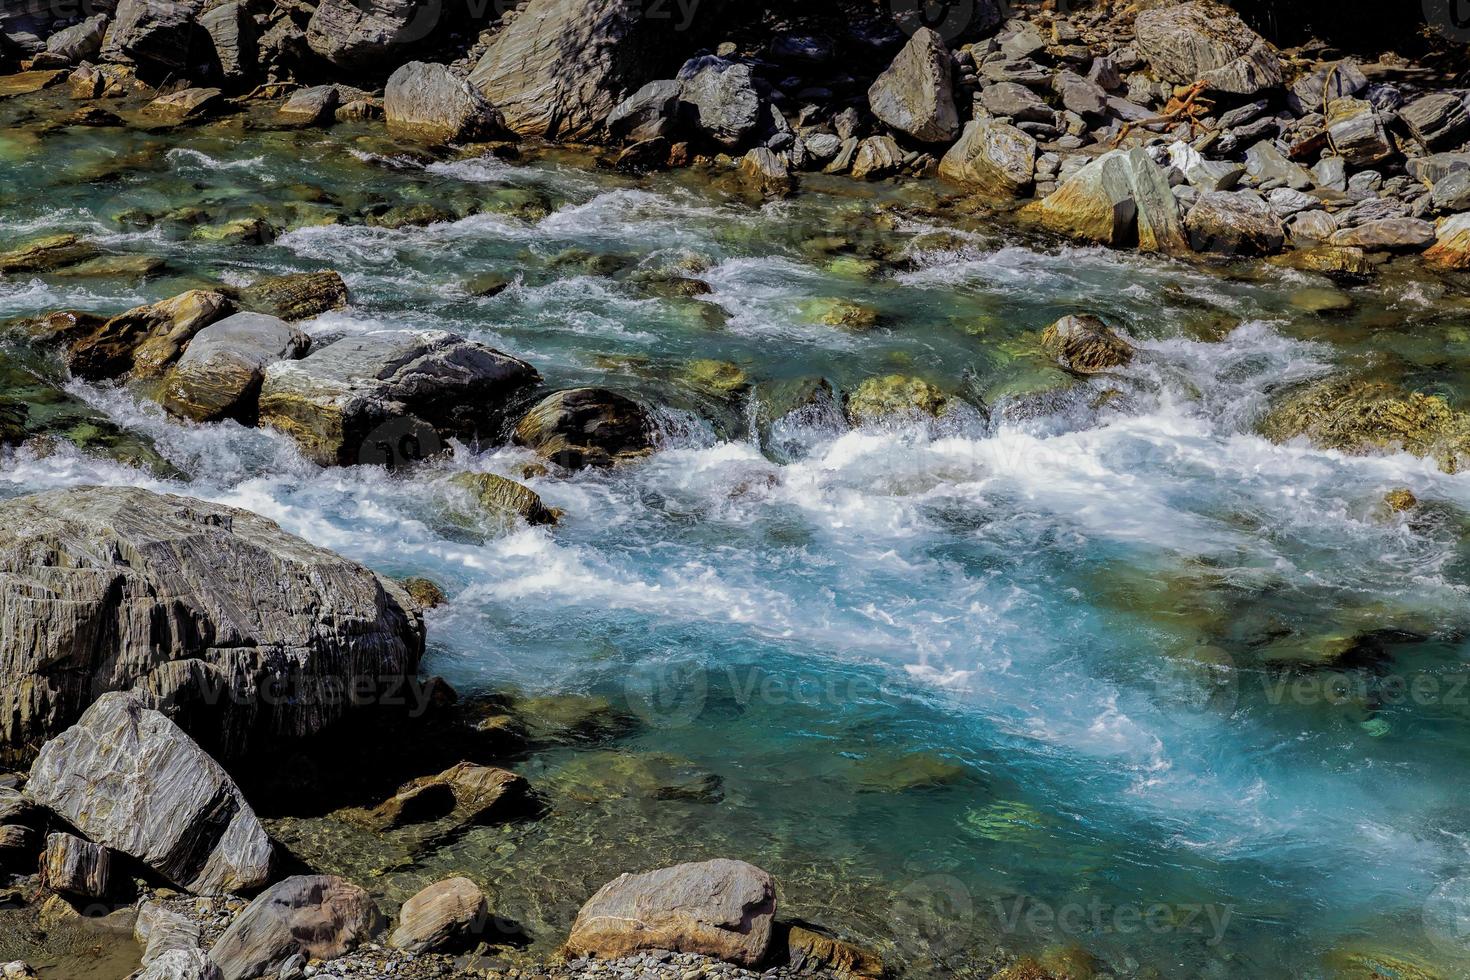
[[1009, 678]]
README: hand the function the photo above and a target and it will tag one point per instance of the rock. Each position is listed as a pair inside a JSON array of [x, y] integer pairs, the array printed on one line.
[[26, 82], [1361, 418], [1287, 202], [47, 254], [131, 780], [586, 427], [1451, 248], [362, 33], [186, 105], [718, 908], [1357, 133], [358, 399], [75, 867], [157, 35], [425, 592], [877, 157], [1159, 226], [1201, 41], [1234, 223], [895, 396], [506, 501], [241, 231], [441, 916], [1452, 194], [315, 106], [320, 917], [85, 83], [1081, 96], [161, 931], [466, 794], [561, 66], [220, 374], [18, 846], [246, 633], [1267, 165], [1388, 234], [844, 314], [721, 100], [80, 42], [1341, 264], [648, 113], [429, 102], [145, 340], [766, 173], [1017, 102], [1438, 121], [295, 297], [1330, 173], [181, 964], [231, 30], [1096, 203], [810, 950], [995, 159], [16, 970], [1436, 167], [1085, 345], [15, 809], [915, 95]]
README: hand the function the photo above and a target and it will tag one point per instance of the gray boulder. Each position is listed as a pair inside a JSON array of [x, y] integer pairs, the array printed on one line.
[[220, 374], [1016, 101], [154, 34], [343, 401], [160, 931], [1438, 121], [314, 106], [721, 100], [246, 633], [877, 157], [429, 102], [1234, 223], [132, 780], [1201, 41], [1357, 133], [361, 33], [648, 113], [320, 917], [996, 160], [232, 33], [80, 42], [1388, 235], [181, 964], [916, 94], [1085, 98]]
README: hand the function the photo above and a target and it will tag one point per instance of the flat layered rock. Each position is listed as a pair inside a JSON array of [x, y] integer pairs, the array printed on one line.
[[48, 253], [298, 296], [187, 105]]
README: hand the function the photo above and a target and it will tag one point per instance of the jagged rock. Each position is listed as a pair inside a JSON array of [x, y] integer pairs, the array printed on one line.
[[1202, 174], [506, 501], [766, 173], [718, 908], [648, 113], [186, 105], [1314, 90], [72, 866], [1200, 41], [1357, 132], [1085, 345], [1388, 235], [80, 42], [320, 917], [1438, 120], [1436, 167], [145, 340], [247, 633], [1157, 209], [345, 400], [26, 82], [315, 106], [877, 157], [1096, 203], [1085, 98], [231, 30], [429, 102], [915, 95], [995, 159], [1017, 102], [361, 33], [131, 780], [295, 297], [1234, 223], [1451, 248], [1267, 164], [586, 427], [721, 100], [47, 254], [219, 376], [809, 949], [444, 914], [154, 34], [1452, 194]]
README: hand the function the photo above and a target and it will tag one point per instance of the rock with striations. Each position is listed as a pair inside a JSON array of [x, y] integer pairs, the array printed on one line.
[[995, 159], [877, 157], [1017, 102], [720, 99], [916, 94], [1388, 235], [1314, 90], [220, 374], [156, 35], [133, 781], [1451, 248], [1438, 121], [232, 33], [362, 33], [319, 917], [464, 794], [649, 113], [1234, 223], [47, 254], [720, 908], [314, 106], [145, 341], [1160, 228], [428, 101], [1357, 133], [72, 866], [80, 42], [1096, 203], [340, 402], [1085, 345], [181, 964], [300, 296], [159, 931], [442, 916], [187, 105], [1080, 95], [1201, 41], [586, 427], [246, 633]]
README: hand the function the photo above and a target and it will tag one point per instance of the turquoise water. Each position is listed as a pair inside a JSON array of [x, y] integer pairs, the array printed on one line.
[[1010, 680]]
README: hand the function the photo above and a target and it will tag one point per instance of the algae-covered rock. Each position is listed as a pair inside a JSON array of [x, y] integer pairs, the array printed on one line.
[[295, 297], [47, 254], [1400, 499], [586, 427], [841, 313], [426, 592], [895, 396], [1085, 344], [239, 231], [463, 795], [570, 719], [915, 771], [1338, 262], [1363, 417], [718, 378], [506, 501], [810, 949], [595, 777]]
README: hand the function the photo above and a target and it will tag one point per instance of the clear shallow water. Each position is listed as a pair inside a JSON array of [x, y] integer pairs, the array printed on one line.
[[937, 668]]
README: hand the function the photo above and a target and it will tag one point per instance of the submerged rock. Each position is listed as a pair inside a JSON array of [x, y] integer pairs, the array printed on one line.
[[915, 95], [319, 917], [895, 396], [464, 794], [720, 908], [427, 101], [506, 501], [586, 427], [792, 414], [246, 633], [132, 780], [220, 374], [441, 916], [1085, 345], [810, 949]]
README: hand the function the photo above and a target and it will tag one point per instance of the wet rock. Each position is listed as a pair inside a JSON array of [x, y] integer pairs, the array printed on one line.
[[505, 501], [220, 374], [718, 908], [1360, 418], [1357, 132], [1085, 345], [586, 427], [648, 113], [840, 313], [72, 866], [244, 631], [47, 254], [365, 398], [721, 100], [1234, 223], [1339, 263], [465, 794], [995, 159], [1451, 248], [596, 777], [811, 949], [877, 157], [1205, 42], [295, 297], [720, 379], [766, 173], [131, 780], [1096, 203], [791, 414], [18, 847], [145, 340], [425, 592], [361, 34], [895, 396], [315, 106], [1438, 121], [427, 101], [441, 916], [187, 105], [80, 42], [155, 34], [915, 95], [26, 82], [320, 917], [1388, 235], [241, 231]]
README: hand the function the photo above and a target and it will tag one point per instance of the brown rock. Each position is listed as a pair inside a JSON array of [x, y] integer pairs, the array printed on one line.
[[441, 916], [76, 867], [586, 427], [810, 949], [320, 917], [1085, 345]]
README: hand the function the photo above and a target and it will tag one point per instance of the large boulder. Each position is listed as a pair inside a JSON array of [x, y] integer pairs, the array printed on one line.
[[246, 633], [1234, 223], [231, 30], [916, 94], [445, 914], [80, 42], [146, 340], [1085, 345], [72, 866], [720, 100], [133, 781], [156, 35], [342, 400], [319, 917], [1388, 235], [648, 113], [720, 908], [995, 159], [220, 374], [429, 102], [1200, 41], [586, 427], [362, 33], [1096, 203]]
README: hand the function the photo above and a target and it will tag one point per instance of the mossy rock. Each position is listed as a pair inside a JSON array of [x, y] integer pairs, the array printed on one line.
[[571, 719], [294, 297], [1339, 263], [425, 592], [1085, 345], [589, 263], [518, 202], [1400, 500], [241, 231], [47, 254], [1321, 301], [408, 216], [597, 777], [487, 284], [1360, 418], [853, 267], [506, 502], [718, 378], [840, 313], [909, 773], [1370, 964], [895, 396]]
